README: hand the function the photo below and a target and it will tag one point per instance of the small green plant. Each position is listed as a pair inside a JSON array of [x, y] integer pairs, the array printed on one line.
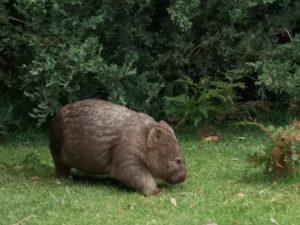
[[202, 100], [282, 155]]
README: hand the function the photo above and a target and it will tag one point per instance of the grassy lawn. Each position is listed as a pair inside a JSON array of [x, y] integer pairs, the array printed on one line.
[[221, 188]]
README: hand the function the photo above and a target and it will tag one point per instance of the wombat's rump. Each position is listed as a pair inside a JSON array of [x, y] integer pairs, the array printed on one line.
[[99, 137]]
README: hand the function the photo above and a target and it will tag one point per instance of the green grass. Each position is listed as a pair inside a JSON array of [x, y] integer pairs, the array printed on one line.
[[221, 188]]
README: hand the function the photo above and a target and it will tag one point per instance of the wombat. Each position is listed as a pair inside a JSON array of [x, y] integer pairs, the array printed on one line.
[[98, 137]]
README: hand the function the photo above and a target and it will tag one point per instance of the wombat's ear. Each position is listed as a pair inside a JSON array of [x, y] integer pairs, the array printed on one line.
[[155, 134], [165, 125]]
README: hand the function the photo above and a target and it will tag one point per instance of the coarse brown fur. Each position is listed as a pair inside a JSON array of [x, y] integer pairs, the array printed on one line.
[[99, 137]]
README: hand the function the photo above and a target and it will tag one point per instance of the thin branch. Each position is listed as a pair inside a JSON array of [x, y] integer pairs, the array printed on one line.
[[51, 42], [24, 219], [288, 33], [16, 19]]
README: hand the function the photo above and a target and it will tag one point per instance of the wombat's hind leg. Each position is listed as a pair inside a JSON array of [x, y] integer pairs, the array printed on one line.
[[61, 169], [62, 172]]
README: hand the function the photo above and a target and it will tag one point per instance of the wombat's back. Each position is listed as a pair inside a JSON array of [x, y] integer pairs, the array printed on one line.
[[91, 129], [89, 114]]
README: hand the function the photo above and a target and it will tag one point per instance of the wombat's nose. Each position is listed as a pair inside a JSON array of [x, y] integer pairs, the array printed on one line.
[[182, 177]]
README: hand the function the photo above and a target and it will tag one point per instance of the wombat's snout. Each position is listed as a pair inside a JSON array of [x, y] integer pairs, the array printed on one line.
[[181, 177], [178, 178]]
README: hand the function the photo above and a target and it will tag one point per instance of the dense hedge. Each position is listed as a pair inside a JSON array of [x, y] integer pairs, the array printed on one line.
[[133, 52]]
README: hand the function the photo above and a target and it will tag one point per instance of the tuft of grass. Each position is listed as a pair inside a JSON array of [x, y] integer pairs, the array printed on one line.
[[221, 187]]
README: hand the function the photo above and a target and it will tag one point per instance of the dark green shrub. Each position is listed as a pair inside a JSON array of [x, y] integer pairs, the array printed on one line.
[[132, 52], [64, 51], [203, 100], [280, 70]]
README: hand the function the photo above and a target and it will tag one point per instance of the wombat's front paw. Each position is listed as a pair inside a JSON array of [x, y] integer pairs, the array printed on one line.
[[155, 191]]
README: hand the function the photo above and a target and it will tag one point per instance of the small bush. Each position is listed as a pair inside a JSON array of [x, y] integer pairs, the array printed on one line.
[[282, 155]]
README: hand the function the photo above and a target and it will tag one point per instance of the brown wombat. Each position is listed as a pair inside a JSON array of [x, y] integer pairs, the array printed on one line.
[[99, 137]]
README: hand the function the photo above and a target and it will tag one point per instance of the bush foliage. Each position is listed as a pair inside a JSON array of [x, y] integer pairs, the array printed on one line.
[[282, 155], [133, 52]]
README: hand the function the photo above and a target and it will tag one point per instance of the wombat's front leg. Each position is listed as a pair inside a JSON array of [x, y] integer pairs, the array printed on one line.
[[137, 177]]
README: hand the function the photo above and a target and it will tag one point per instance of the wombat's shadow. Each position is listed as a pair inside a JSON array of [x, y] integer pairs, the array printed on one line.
[[33, 167], [98, 180], [107, 182]]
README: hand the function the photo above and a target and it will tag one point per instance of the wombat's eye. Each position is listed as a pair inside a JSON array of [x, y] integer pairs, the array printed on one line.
[[178, 161]]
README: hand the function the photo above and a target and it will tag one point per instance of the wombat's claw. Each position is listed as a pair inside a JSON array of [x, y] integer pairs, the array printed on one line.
[[153, 192]]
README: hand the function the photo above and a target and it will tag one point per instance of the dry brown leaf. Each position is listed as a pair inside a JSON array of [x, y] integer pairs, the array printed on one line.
[[273, 221], [276, 155], [290, 137], [173, 201], [296, 123], [206, 132], [213, 138], [57, 182], [232, 181], [240, 195], [296, 186], [34, 178]]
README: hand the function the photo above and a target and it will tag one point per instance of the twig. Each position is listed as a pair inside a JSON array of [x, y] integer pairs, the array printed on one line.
[[288, 33], [22, 220], [195, 49], [51, 42], [16, 19]]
